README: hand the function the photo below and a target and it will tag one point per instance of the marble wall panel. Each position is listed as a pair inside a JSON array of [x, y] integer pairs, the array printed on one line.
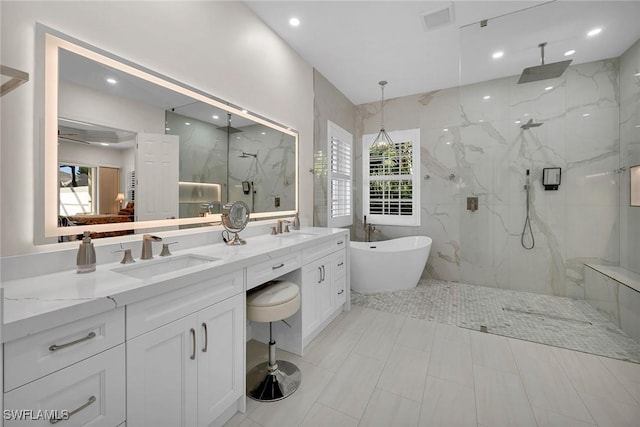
[[629, 155]]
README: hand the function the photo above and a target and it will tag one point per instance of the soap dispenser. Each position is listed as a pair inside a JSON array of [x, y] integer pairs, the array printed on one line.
[[86, 260]]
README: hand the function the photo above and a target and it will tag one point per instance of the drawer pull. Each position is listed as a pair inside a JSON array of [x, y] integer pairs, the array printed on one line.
[[339, 242], [193, 337], [206, 338], [91, 400], [341, 264], [341, 292], [275, 267], [55, 347]]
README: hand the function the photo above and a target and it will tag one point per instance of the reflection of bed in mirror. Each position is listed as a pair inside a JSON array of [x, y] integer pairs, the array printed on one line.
[[125, 214]]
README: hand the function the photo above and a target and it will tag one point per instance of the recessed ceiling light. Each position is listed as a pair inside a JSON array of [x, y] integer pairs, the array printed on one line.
[[548, 88], [294, 22], [518, 122], [187, 124], [167, 128], [216, 117], [637, 74], [498, 54], [448, 142], [569, 52], [106, 144], [586, 115], [594, 32], [486, 97], [245, 111], [480, 121], [445, 130], [263, 133], [111, 80]]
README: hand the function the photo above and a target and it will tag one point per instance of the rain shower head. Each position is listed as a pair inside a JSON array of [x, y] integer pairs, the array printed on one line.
[[530, 125], [544, 71]]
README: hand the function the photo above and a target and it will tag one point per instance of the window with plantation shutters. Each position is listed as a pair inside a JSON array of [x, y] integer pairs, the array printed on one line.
[[391, 185], [339, 167]]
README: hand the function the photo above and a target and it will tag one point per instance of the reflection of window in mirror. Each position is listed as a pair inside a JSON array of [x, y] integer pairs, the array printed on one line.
[[76, 190]]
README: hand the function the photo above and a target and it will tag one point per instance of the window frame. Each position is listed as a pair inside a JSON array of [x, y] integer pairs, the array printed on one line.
[[343, 175], [406, 135]]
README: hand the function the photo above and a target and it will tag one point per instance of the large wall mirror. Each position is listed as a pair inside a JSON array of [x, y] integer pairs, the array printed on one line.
[[127, 149]]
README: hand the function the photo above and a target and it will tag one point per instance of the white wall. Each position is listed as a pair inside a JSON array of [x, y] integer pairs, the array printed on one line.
[[219, 47]]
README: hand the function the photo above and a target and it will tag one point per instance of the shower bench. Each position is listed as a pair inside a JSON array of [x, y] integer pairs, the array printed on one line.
[[615, 292]]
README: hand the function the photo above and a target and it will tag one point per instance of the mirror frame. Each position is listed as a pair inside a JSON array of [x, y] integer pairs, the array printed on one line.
[[51, 42]]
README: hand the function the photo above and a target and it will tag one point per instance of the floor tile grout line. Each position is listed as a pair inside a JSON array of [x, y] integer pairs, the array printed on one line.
[[524, 385]]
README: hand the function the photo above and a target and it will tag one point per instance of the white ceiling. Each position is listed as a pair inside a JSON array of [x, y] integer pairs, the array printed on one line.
[[355, 44]]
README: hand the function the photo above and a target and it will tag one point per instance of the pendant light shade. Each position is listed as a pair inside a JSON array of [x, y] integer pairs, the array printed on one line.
[[383, 140]]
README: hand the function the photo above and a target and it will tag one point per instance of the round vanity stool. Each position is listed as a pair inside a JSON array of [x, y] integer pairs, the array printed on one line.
[[274, 379]]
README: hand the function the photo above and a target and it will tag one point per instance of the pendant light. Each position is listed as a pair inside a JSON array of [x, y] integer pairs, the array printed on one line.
[[382, 141]]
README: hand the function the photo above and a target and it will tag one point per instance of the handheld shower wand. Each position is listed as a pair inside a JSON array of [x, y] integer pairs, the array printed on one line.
[[527, 221]]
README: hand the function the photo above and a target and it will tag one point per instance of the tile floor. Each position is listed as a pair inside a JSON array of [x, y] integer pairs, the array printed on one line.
[[373, 368], [561, 322]]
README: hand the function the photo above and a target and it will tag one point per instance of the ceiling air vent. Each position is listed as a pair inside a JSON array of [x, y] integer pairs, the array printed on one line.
[[437, 18]]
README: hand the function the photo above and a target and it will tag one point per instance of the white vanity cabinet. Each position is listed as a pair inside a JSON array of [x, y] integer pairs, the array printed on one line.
[[323, 285], [190, 370]]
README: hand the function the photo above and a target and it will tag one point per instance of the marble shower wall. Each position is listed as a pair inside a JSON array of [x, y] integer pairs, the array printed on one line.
[[272, 171], [630, 155], [473, 146]]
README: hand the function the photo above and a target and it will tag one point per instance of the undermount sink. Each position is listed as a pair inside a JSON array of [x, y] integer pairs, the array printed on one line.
[[295, 234], [147, 269]]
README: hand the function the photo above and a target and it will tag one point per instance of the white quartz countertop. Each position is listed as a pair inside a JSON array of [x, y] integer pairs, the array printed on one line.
[[38, 303]]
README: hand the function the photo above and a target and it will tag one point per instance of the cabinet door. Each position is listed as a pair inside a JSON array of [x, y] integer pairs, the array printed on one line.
[[220, 357], [311, 278], [324, 293], [161, 376]]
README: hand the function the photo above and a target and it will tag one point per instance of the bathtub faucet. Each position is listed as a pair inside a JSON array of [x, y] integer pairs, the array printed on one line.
[[368, 229]]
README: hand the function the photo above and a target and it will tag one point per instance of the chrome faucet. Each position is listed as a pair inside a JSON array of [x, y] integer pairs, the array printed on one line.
[[147, 248], [368, 228], [279, 226]]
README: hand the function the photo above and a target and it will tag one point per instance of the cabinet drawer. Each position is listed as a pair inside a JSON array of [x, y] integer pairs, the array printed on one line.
[[268, 270], [339, 264], [340, 291], [324, 248], [90, 392], [29, 358], [154, 312]]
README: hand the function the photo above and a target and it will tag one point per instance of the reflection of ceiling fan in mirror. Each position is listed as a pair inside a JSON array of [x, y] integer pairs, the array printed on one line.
[[91, 134]]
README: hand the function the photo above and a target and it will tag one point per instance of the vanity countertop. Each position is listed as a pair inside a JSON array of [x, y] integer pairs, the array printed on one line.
[[38, 303]]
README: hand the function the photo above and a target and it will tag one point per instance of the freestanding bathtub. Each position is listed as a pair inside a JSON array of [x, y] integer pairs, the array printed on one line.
[[390, 265]]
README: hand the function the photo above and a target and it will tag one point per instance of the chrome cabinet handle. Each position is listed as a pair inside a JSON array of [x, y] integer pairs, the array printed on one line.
[[55, 347], [319, 274], [193, 337], [323, 273], [275, 267], [341, 292], [341, 264], [339, 242], [206, 338], [91, 400]]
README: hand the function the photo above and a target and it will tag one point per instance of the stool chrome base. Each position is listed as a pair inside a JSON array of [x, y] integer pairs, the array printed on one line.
[[267, 385]]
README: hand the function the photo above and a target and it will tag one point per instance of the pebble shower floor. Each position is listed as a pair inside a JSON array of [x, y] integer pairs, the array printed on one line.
[[557, 321]]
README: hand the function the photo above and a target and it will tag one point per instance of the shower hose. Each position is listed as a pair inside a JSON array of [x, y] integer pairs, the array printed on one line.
[[527, 224]]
